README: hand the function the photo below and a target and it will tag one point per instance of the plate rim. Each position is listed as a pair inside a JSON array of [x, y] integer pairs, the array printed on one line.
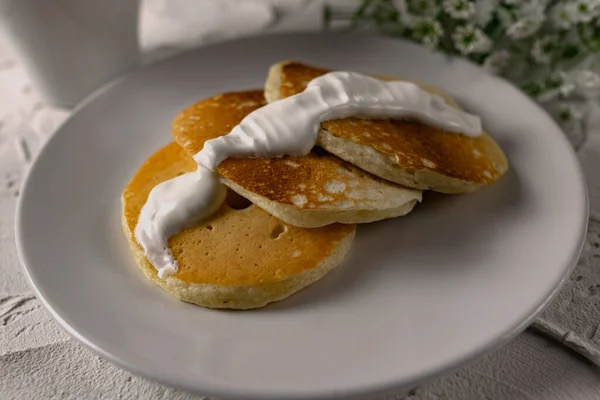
[[366, 390]]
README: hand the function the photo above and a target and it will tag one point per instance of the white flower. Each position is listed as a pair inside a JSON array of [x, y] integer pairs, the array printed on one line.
[[427, 31], [459, 9], [525, 27], [470, 39], [585, 10], [568, 113], [484, 10], [506, 17], [557, 84], [586, 80], [527, 15], [424, 7], [405, 16], [567, 88], [400, 5], [542, 49], [563, 15], [496, 61], [532, 7]]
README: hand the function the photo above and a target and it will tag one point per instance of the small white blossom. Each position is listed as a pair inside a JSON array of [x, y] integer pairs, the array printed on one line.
[[558, 84], [585, 10], [532, 7], [506, 17], [484, 11], [567, 88], [496, 61], [427, 8], [469, 39], [400, 5], [586, 80], [564, 83], [526, 12], [459, 9], [543, 48], [570, 116], [566, 14], [405, 16], [408, 20], [525, 27], [570, 112], [427, 31], [563, 16]]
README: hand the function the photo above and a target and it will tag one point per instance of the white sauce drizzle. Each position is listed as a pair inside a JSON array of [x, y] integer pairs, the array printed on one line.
[[285, 127]]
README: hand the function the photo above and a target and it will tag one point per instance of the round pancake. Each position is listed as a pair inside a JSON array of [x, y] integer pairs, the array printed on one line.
[[310, 191], [241, 257], [401, 151]]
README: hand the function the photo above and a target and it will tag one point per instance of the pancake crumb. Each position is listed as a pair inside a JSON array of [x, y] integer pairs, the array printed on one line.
[[428, 163], [299, 200], [324, 197], [292, 164], [335, 186]]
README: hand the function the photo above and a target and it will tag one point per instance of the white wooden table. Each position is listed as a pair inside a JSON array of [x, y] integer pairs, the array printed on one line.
[[39, 361]]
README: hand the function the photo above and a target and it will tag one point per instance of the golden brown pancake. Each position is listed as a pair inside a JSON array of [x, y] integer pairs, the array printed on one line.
[[401, 151], [310, 191], [241, 257]]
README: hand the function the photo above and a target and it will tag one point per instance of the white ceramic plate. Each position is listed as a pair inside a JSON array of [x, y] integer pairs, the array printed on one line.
[[416, 296]]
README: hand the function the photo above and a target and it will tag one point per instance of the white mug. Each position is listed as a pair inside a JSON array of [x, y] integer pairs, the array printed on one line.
[[71, 47]]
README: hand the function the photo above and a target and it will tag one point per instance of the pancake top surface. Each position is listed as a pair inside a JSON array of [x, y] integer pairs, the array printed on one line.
[[235, 246], [316, 181], [413, 145]]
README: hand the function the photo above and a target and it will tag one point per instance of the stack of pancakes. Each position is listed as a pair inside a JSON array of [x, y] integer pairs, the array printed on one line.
[[288, 221]]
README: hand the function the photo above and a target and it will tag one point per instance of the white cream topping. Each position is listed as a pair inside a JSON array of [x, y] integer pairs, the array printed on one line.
[[290, 126], [286, 127], [173, 205]]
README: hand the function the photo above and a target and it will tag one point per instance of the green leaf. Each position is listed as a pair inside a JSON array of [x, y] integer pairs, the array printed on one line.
[[494, 29], [565, 115], [534, 89]]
